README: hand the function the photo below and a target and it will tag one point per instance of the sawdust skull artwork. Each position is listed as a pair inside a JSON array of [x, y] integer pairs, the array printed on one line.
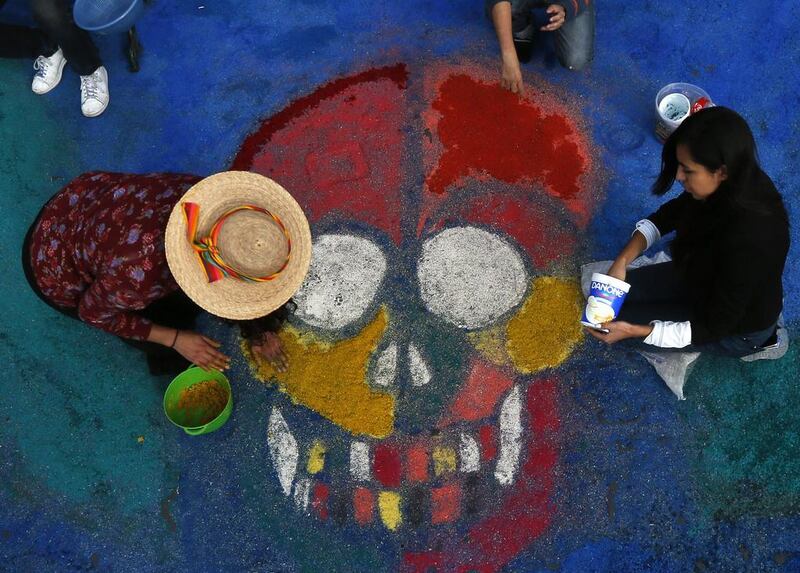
[[423, 389]]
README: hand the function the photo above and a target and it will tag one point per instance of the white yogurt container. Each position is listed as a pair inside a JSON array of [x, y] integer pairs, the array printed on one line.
[[606, 295]]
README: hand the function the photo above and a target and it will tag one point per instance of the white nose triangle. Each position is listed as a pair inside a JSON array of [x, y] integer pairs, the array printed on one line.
[[420, 373], [385, 368]]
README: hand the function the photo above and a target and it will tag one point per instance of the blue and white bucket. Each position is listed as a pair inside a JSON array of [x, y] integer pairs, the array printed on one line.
[[674, 103], [606, 295]]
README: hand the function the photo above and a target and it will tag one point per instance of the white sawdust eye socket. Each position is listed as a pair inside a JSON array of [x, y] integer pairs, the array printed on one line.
[[345, 274], [470, 277]]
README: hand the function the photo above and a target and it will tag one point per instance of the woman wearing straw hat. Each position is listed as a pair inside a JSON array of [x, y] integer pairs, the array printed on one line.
[[138, 256]]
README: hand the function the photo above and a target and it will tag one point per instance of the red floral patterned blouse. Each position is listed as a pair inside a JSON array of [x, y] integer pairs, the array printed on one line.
[[98, 246]]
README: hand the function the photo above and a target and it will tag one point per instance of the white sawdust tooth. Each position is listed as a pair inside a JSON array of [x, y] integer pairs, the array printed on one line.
[[359, 461], [282, 449], [510, 438], [469, 453]]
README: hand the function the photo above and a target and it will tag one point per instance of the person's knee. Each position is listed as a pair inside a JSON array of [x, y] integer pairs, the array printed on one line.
[[49, 13], [575, 41], [576, 61]]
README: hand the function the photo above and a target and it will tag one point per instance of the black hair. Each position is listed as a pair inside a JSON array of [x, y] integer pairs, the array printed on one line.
[[253, 330], [719, 137]]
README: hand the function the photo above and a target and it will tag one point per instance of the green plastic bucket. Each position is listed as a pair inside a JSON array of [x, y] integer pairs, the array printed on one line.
[[187, 417]]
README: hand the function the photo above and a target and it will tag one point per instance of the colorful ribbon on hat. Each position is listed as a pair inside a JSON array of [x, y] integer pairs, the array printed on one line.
[[208, 252]]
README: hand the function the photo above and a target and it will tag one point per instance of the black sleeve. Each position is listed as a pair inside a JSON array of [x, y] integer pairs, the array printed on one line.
[[667, 216]]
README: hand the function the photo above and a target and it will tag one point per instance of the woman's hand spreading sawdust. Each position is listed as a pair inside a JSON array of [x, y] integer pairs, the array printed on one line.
[[271, 349]]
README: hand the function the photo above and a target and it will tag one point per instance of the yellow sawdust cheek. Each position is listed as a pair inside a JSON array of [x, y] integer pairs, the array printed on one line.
[[491, 343], [545, 330], [331, 378]]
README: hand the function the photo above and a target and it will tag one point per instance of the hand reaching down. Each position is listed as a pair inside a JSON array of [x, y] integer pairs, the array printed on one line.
[[271, 349], [200, 350]]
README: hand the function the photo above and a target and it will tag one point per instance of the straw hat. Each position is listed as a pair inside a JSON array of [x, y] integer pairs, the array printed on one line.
[[272, 248]]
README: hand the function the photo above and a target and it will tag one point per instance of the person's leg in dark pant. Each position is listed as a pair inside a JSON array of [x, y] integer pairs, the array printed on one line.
[[69, 44], [55, 19], [175, 311], [523, 28], [21, 42], [575, 40], [657, 293]]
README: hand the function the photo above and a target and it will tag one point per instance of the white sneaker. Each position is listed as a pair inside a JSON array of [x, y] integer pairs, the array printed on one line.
[[94, 92], [48, 72]]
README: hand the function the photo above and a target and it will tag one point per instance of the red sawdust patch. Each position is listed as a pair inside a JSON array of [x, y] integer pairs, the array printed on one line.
[[487, 436], [484, 131], [363, 504], [417, 463], [339, 148], [319, 500], [387, 465], [445, 503], [479, 395], [534, 227]]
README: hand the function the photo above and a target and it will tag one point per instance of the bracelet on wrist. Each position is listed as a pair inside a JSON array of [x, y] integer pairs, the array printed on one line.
[[174, 340]]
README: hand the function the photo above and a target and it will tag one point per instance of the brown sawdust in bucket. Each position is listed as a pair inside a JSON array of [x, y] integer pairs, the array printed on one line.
[[200, 403]]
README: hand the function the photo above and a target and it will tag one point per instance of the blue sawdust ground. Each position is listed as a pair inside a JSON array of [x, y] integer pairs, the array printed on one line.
[[647, 483]]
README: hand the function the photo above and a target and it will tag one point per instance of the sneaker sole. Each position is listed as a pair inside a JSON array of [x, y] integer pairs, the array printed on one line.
[[95, 114], [58, 79]]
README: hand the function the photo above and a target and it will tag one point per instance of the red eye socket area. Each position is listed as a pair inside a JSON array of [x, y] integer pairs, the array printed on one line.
[[487, 131], [339, 149]]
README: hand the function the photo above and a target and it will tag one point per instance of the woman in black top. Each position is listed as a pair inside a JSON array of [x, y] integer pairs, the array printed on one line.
[[722, 291]]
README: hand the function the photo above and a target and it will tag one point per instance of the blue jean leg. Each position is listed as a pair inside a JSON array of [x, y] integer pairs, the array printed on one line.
[[575, 40]]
